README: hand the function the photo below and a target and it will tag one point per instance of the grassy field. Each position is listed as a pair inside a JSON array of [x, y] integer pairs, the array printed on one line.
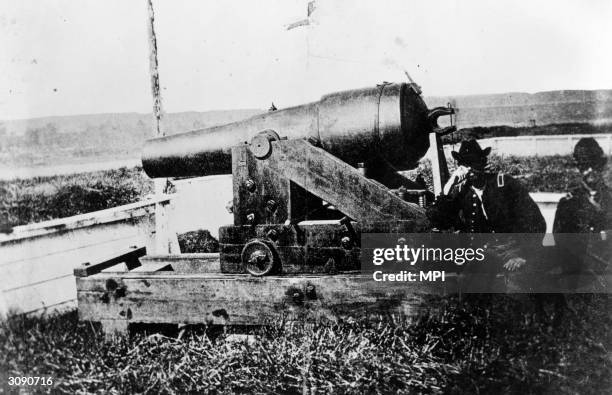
[[538, 174], [486, 344], [37, 199]]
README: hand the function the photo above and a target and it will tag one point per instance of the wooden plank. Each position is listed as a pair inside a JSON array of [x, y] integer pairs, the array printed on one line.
[[58, 263], [41, 246], [242, 299], [120, 213], [164, 297], [152, 267], [42, 295], [130, 258], [186, 263], [439, 166]]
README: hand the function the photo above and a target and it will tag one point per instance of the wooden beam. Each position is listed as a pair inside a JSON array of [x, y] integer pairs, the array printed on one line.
[[115, 214], [340, 184], [166, 297], [439, 166], [186, 263], [129, 257]]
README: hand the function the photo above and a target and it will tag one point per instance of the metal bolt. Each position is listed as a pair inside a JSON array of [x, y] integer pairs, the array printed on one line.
[[250, 217], [250, 185], [346, 242]]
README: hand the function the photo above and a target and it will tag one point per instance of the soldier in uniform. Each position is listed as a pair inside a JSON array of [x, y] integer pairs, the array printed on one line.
[[587, 207], [476, 200], [585, 213]]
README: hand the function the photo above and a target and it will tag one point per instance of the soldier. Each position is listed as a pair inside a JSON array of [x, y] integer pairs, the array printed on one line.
[[587, 207], [475, 200], [585, 213]]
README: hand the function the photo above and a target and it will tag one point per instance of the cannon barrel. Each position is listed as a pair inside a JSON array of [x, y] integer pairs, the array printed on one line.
[[388, 122]]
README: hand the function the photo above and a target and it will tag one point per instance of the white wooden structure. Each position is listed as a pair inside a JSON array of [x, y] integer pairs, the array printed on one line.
[[562, 144], [37, 260]]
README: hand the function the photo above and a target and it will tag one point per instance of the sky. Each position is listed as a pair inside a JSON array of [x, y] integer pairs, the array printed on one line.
[[61, 57]]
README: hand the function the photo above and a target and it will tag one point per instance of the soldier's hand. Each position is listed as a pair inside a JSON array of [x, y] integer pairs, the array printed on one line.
[[514, 264], [459, 175]]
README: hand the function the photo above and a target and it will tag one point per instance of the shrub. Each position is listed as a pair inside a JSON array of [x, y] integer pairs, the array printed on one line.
[[198, 241]]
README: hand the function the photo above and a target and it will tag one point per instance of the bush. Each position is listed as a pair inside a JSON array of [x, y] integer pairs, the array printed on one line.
[[538, 174], [198, 241]]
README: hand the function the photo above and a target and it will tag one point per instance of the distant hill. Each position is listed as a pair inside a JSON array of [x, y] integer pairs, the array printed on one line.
[[102, 137], [96, 137], [173, 122]]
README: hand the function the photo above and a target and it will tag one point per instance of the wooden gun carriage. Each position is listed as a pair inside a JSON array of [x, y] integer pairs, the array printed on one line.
[[307, 182]]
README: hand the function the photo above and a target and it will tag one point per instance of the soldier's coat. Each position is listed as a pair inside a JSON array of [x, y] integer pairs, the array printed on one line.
[[577, 214], [578, 221], [508, 208]]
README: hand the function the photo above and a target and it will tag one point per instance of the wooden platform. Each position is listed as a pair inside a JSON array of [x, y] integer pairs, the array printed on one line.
[[190, 290]]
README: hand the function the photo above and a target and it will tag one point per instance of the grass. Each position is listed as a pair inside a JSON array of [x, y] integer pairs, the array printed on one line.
[[538, 174], [490, 344], [37, 199]]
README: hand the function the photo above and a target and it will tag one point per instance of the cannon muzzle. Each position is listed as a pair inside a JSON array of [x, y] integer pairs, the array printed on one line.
[[388, 122]]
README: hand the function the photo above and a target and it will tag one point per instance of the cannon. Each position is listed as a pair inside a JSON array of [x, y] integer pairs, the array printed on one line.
[[308, 180]]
